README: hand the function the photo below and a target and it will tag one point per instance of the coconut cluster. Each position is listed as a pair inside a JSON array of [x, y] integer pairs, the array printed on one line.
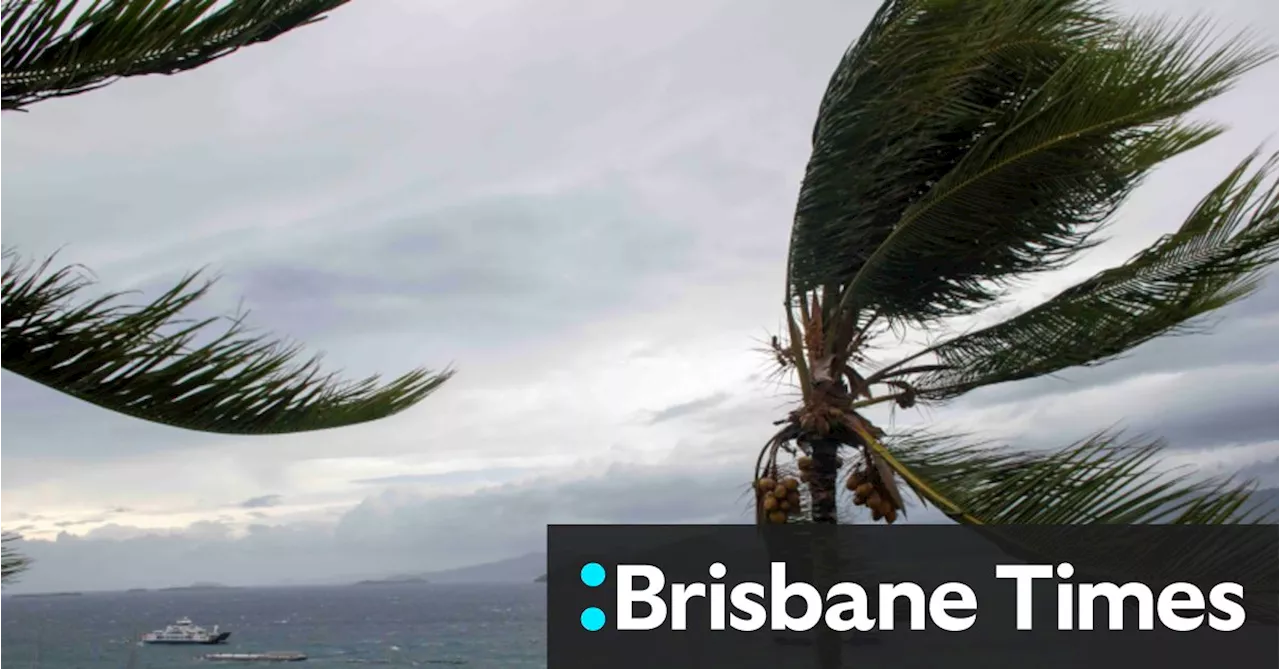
[[805, 464], [779, 498], [870, 491]]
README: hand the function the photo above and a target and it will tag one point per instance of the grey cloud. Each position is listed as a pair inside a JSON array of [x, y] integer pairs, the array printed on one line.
[[396, 532], [44, 423], [80, 521], [262, 501], [393, 531], [1265, 473], [1187, 413], [687, 408], [456, 478], [491, 269], [591, 169], [1254, 419], [389, 532]]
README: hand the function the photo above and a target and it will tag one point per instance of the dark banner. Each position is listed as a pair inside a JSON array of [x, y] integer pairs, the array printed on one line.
[[911, 596]]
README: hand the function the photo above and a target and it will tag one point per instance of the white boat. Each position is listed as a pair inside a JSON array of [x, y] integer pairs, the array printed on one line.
[[185, 632]]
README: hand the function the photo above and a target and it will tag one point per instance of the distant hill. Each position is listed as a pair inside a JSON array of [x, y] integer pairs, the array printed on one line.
[[541, 579], [522, 569], [394, 580]]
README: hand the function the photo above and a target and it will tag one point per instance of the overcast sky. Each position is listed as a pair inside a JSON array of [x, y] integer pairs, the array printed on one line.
[[584, 207]]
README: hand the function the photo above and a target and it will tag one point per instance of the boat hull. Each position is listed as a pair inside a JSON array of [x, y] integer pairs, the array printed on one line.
[[221, 637]]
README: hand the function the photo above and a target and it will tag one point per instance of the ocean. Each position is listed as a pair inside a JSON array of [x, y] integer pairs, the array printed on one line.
[[393, 625]]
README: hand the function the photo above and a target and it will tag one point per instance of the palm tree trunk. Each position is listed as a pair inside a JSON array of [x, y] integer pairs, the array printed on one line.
[[822, 495], [822, 487]]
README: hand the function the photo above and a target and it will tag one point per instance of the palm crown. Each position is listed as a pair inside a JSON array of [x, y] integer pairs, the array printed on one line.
[[963, 144], [149, 361]]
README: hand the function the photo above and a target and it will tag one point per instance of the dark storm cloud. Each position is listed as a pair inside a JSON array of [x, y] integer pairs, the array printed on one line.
[[262, 502], [688, 408], [479, 275], [1203, 408], [1253, 419]]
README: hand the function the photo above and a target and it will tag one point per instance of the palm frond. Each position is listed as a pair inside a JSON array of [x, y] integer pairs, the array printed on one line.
[[1021, 499], [56, 48], [964, 144], [142, 361], [12, 563], [1104, 479], [1216, 257]]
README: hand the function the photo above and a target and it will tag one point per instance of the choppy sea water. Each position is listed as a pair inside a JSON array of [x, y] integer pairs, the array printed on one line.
[[393, 625]]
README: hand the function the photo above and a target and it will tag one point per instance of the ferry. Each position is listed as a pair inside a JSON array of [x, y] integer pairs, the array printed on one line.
[[185, 632]]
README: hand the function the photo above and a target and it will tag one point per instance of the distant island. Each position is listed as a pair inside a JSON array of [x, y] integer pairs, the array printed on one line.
[[50, 594], [541, 579], [196, 586]]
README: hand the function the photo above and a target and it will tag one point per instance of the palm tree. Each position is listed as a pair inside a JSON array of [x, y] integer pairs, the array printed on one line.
[[147, 361], [962, 145]]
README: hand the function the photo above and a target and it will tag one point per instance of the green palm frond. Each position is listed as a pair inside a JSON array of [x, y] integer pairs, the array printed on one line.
[[1215, 258], [1104, 479], [1021, 499], [962, 144], [12, 563], [56, 48], [143, 361]]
